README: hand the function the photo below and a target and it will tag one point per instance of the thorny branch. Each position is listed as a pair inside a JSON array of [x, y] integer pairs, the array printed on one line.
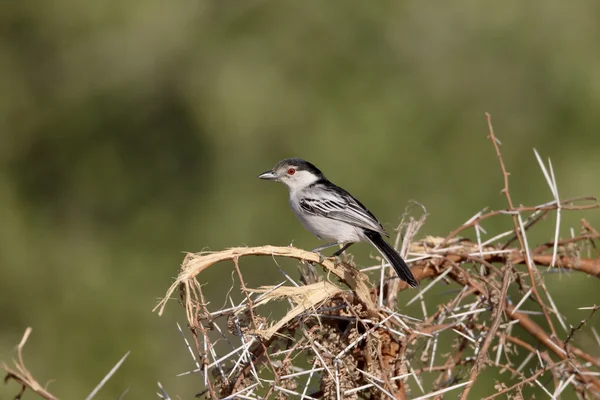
[[252, 318], [579, 327], [517, 226], [522, 383], [343, 336], [360, 347], [496, 319], [339, 313]]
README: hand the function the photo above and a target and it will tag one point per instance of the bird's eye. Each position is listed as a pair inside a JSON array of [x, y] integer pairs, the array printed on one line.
[[291, 171]]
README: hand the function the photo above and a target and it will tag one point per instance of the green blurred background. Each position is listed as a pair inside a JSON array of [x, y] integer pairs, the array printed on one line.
[[133, 131]]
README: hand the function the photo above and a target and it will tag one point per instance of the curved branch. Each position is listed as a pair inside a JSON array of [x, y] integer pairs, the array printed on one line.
[[195, 263]]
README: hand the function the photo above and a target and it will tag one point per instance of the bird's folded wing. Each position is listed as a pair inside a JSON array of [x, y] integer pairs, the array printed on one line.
[[339, 209]]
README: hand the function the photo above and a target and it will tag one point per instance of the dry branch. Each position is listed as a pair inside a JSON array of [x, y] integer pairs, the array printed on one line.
[[21, 374], [347, 340], [194, 264], [388, 343], [496, 319], [343, 335]]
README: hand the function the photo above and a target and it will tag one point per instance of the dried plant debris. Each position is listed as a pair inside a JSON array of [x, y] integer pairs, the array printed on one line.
[[343, 337], [345, 334]]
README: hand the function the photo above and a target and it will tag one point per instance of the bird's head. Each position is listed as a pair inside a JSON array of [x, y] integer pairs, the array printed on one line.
[[295, 173]]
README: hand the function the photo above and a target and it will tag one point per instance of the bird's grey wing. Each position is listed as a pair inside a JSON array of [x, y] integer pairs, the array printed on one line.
[[331, 205]]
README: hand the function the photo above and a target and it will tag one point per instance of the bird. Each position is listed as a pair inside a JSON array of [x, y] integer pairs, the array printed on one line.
[[333, 214]]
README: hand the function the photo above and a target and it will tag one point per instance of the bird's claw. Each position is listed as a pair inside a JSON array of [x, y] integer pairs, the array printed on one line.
[[322, 258]]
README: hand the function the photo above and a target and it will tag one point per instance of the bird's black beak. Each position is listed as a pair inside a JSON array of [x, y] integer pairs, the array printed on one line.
[[269, 175]]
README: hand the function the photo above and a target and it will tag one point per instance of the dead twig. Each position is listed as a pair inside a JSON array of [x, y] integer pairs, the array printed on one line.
[[22, 375], [517, 227], [498, 312], [335, 343], [523, 382]]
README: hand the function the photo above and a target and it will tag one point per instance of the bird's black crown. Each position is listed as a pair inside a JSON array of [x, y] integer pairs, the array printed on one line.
[[300, 165]]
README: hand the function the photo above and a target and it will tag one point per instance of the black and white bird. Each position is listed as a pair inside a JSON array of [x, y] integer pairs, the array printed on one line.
[[333, 214]]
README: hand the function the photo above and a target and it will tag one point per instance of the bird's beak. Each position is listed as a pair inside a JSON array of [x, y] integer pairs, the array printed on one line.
[[269, 175]]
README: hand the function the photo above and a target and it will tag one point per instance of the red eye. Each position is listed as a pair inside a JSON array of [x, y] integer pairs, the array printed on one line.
[[291, 171]]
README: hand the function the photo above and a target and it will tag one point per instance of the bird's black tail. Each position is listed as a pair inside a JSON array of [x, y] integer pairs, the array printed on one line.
[[392, 257]]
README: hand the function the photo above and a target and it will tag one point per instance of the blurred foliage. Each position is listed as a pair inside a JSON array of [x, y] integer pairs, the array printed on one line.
[[132, 131]]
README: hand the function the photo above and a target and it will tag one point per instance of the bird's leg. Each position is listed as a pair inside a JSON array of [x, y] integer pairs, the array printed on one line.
[[340, 251], [318, 250], [325, 246]]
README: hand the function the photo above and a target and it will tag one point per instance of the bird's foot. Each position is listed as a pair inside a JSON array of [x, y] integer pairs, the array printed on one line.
[[336, 259], [321, 257]]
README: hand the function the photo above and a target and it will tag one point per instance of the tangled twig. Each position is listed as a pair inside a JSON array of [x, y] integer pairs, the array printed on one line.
[[343, 335], [355, 343]]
